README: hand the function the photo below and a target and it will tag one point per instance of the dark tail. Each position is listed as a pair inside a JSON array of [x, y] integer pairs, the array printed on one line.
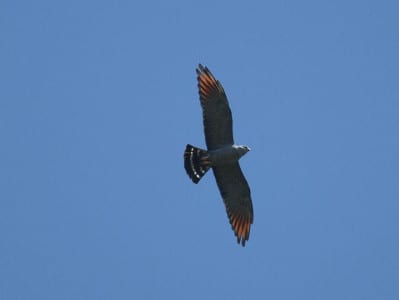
[[196, 162]]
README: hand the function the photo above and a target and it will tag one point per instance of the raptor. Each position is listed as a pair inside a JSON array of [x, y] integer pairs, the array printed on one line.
[[222, 155]]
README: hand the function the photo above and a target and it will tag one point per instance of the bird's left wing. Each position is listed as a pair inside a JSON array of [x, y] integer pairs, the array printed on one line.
[[236, 196]]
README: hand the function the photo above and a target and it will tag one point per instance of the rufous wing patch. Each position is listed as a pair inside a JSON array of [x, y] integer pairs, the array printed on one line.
[[241, 225], [208, 86]]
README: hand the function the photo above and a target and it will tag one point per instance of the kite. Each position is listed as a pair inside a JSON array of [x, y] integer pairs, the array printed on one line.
[[222, 155]]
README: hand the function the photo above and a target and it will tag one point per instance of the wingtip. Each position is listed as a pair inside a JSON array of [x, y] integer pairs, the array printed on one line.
[[241, 226], [201, 69], [241, 240]]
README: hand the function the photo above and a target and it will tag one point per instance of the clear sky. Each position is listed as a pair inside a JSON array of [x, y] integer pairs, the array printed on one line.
[[98, 100]]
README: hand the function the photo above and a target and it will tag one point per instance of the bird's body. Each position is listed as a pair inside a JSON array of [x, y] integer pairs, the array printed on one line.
[[226, 155], [222, 155]]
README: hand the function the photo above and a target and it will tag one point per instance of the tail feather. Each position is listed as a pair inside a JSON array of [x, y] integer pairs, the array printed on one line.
[[196, 162]]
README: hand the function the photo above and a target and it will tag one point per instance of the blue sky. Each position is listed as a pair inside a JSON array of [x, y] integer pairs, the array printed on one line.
[[98, 100]]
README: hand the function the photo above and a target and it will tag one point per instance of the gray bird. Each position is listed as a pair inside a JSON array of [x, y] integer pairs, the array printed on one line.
[[222, 155]]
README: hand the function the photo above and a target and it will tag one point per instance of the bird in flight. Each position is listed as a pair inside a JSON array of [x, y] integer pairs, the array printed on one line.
[[222, 155]]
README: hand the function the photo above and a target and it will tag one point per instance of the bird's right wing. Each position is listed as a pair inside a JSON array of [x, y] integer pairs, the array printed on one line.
[[218, 123]]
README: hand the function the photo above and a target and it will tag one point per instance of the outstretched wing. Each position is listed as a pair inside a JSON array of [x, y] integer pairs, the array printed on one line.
[[218, 124], [237, 198]]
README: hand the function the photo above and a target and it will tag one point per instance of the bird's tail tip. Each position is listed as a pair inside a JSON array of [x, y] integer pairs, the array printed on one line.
[[196, 162]]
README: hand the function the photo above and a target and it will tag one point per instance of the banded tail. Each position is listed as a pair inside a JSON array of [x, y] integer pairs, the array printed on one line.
[[196, 162]]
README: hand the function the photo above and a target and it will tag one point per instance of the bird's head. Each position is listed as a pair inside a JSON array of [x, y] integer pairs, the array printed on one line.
[[242, 150]]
